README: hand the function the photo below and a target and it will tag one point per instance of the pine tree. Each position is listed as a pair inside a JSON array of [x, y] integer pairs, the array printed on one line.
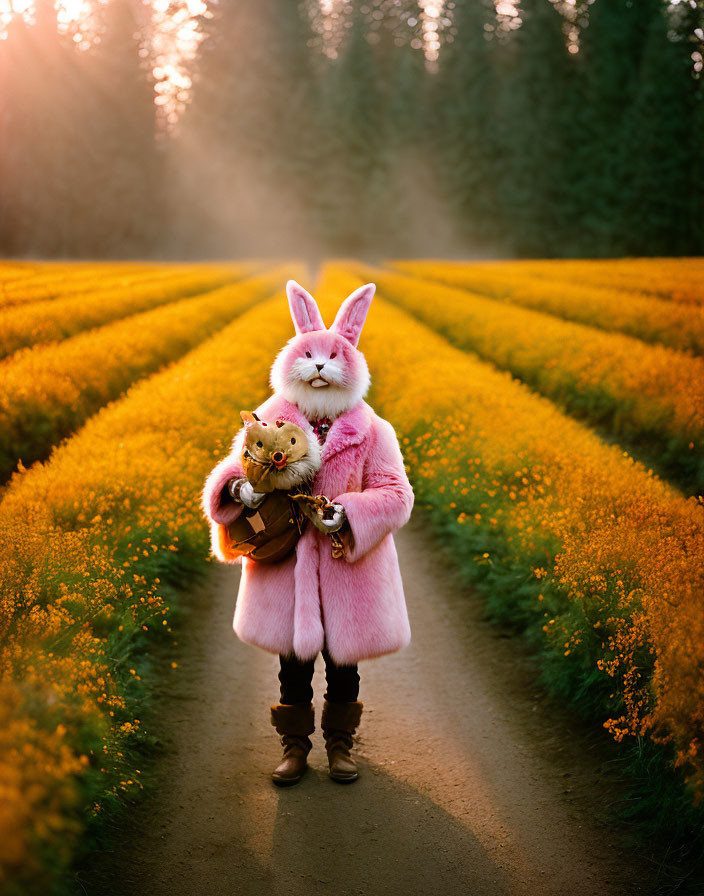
[[465, 98], [411, 185], [655, 212], [533, 134], [353, 214], [38, 130], [243, 155], [696, 196], [609, 64], [119, 156]]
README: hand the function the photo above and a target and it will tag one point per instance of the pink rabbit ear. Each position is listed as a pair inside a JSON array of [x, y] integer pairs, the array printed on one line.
[[304, 311], [353, 312]]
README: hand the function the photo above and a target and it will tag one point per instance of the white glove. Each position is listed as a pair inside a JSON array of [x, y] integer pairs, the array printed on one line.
[[247, 495], [336, 522]]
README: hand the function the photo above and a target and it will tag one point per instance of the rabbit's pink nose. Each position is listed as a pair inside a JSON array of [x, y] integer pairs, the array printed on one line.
[[319, 367]]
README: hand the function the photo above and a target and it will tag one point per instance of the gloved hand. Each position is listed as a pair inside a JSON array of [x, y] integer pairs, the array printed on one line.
[[335, 523], [242, 491]]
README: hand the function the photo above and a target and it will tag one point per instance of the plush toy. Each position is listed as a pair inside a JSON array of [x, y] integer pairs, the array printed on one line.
[[279, 461], [278, 455]]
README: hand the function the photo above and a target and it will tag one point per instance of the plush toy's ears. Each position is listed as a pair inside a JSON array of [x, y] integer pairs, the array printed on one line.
[[249, 417], [304, 311], [353, 312]]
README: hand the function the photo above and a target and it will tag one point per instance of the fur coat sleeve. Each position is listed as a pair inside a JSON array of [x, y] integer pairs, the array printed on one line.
[[217, 502], [385, 502]]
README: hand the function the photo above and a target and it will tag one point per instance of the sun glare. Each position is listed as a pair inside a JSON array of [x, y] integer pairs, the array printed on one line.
[[431, 16], [172, 37], [72, 10], [175, 41], [11, 8]]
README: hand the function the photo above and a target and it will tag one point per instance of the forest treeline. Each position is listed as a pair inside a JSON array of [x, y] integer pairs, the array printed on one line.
[[513, 146]]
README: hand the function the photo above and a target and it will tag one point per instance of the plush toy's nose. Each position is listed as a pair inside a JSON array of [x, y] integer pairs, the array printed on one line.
[[279, 459]]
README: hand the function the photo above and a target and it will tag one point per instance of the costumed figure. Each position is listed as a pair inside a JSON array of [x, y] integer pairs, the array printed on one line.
[[307, 501]]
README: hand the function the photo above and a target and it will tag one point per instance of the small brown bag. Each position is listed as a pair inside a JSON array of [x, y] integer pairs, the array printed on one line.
[[266, 534]]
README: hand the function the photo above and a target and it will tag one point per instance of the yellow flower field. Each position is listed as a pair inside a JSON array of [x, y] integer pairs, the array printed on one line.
[[643, 315], [47, 391], [22, 285], [53, 319], [615, 556], [649, 395], [673, 279], [597, 560], [94, 543]]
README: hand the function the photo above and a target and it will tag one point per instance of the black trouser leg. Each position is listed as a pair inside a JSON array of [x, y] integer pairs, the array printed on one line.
[[296, 679], [342, 681]]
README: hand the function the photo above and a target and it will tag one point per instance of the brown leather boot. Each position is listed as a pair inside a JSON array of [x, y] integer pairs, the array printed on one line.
[[338, 723], [294, 722]]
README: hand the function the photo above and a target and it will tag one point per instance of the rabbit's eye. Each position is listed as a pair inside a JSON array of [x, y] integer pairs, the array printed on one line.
[[308, 355], [293, 441], [333, 355], [260, 445]]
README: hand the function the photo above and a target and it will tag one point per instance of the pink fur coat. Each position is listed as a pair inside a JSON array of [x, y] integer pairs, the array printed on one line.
[[355, 605]]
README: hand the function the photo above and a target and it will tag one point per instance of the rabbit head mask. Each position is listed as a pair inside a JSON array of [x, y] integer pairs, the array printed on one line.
[[321, 370]]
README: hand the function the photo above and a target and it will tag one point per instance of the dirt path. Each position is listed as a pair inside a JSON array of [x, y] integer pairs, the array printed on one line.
[[470, 781]]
